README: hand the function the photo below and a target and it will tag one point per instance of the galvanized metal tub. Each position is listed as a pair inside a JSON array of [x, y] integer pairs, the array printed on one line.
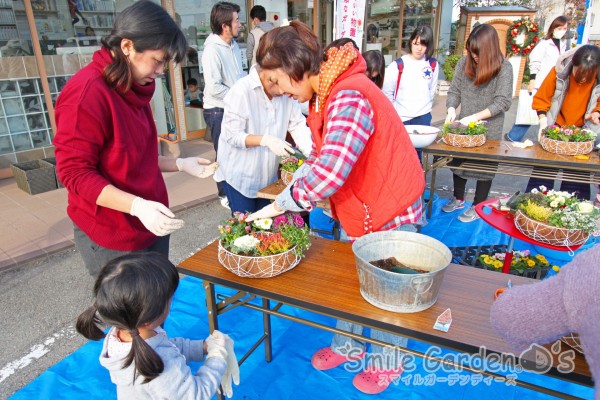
[[404, 293]]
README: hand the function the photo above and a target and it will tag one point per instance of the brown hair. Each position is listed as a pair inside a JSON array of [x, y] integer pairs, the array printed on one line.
[[294, 48], [222, 13], [587, 61], [375, 65], [558, 21], [149, 27], [483, 42]]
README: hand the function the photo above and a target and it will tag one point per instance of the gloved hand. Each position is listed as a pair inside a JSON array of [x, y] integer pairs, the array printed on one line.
[[215, 345], [277, 146], [594, 117], [232, 373], [543, 125], [265, 212], [468, 119], [451, 114], [196, 166], [156, 217]]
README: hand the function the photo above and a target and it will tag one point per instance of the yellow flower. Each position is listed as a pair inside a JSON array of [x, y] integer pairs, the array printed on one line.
[[497, 264], [556, 268], [300, 162], [530, 263], [471, 124]]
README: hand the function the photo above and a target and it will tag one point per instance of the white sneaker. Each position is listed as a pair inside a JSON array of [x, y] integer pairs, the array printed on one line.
[[453, 205], [469, 216], [225, 202]]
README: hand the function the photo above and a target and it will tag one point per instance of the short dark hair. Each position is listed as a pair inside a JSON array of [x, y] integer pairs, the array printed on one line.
[[375, 66], [425, 35], [130, 291], [192, 81], [339, 43], [587, 61], [222, 13], [149, 27], [258, 12], [293, 48]]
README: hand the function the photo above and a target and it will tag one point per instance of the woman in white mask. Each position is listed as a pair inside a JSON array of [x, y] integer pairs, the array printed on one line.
[[545, 55], [541, 60]]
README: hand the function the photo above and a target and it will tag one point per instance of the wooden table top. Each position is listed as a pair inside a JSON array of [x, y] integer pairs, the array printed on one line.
[[326, 282], [503, 151]]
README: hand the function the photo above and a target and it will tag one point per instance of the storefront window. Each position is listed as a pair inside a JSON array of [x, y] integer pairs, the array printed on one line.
[[416, 13]]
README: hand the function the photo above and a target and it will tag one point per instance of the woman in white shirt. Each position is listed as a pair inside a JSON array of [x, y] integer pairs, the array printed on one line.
[[255, 123], [411, 81], [541, 60]]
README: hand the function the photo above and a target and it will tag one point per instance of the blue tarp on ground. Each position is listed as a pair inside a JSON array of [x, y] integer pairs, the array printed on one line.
[[290, 375]]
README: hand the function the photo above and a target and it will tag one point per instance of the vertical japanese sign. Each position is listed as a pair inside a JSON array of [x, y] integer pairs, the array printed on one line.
[[349, 20]]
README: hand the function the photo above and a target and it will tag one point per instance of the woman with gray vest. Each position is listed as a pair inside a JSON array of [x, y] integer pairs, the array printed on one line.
[[570, 96]]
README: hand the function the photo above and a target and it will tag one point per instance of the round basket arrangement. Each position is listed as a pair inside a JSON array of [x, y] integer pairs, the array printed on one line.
[[566, 148], [455, 140], [459, 135], [286, 177], [258, 266], [568, 140], [573, 341], [545, 233], [262, 248]]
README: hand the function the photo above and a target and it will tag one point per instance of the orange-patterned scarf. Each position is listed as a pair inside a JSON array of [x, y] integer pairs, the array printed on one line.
[[338, 61]]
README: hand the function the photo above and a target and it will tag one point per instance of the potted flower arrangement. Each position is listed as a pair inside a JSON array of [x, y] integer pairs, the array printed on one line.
[[522, 262], [289, 165], [555, 217], [262, 248], [459, 135], [569, 140]]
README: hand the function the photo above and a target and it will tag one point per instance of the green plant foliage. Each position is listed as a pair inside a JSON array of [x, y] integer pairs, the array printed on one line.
[[450, 65]]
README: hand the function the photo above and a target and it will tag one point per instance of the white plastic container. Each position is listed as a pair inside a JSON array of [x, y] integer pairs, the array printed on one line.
[[422, 135]]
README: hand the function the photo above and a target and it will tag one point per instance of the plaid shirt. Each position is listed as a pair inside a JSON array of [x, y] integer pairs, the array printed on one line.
[[347, 132]]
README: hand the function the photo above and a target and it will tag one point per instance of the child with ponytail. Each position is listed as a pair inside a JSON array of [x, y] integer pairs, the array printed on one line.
[[133, 296]]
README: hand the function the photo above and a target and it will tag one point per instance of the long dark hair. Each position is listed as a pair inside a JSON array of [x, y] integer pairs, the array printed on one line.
[[587, 61], [558, 21], [130, 291], [149, 27], [483, 41], [375, 66], [293, 48]]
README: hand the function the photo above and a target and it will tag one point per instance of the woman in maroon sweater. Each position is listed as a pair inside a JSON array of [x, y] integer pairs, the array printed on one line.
[[106, 150]]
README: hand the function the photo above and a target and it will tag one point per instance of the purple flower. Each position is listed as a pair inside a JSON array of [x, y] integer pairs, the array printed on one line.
[[298, 220], [279, 220]]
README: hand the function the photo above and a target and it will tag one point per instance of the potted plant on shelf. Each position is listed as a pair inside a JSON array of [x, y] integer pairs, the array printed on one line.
[[262, 248], [289, 165], [569, 140], [522, 262], [555, 217], [459, 135]]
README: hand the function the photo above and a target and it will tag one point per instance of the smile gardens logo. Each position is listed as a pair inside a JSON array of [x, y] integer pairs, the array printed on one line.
[[441, 366]]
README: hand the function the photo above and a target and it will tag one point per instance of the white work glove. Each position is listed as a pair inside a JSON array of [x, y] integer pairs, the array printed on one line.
[[543, 125], [450, 114], [196, 166], [277, 146], [232, 373], [265, 212], [215, 345], [156, 217], [594, 117], [468, 119]]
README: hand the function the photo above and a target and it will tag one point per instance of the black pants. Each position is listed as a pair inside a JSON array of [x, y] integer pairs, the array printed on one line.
[[482, 190]]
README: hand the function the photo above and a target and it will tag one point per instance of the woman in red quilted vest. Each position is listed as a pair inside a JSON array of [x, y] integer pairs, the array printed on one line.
[[362, 161]]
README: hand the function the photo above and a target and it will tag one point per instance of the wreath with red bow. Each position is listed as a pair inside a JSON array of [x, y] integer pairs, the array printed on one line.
[[521, 37]]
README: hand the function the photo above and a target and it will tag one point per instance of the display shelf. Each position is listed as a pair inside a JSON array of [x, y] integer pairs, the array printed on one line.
[[99, 12]]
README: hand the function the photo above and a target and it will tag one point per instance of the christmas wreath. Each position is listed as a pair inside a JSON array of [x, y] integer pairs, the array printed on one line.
[[521, 37]]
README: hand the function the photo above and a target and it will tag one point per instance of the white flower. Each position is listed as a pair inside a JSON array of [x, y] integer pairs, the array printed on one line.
[[263, 223], [246, 243], [585, 207], [534, 190], [554, 204], [543, 188]]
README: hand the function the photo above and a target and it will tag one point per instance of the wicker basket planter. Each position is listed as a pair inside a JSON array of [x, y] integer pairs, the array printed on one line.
[[453, 139], [566, 148], [34, 176], [258, 267], [287, 177], [545, 233], [51, 162], [573, 341]]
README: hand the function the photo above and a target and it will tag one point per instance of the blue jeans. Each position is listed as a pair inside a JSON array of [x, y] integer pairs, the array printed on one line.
[[214, 118], [424, 119], [517, 132], [241, 203]]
